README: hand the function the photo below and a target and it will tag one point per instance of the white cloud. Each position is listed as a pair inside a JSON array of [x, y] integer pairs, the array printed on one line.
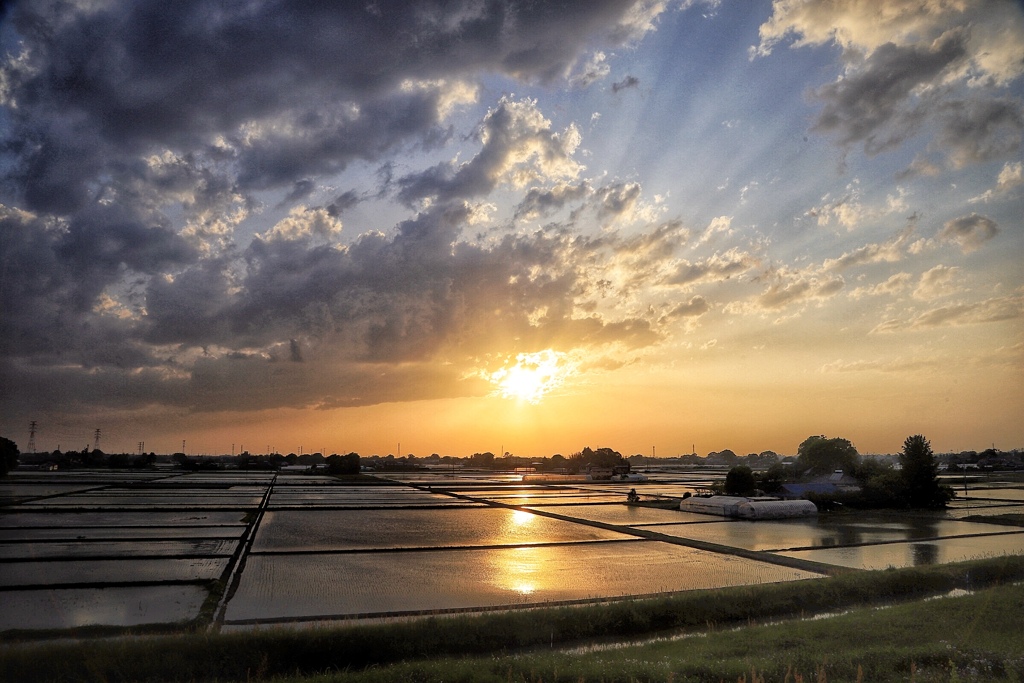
[[715, 268], [988, 311], [517, 146], [594, 69], [303, 222], [992, 48], [937, 282], [1011, 176], [718, 225], [789, 289], [895, 284], [890, 251]]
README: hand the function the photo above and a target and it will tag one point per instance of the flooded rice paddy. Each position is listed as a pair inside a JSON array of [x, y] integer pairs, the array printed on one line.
[[145, 548]]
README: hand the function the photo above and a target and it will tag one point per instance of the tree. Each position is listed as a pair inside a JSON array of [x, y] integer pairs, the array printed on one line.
[[8, 456], [727, 457], [343, 464], [602, 457], [739, 481], [772, 480], [483, 460], [920, 475], [822, 455]]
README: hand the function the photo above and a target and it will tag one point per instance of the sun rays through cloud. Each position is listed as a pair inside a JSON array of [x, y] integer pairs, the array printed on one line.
[[648, 220], [531, 376]]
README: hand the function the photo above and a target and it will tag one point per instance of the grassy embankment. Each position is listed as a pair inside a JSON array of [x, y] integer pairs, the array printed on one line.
[[927, 640]]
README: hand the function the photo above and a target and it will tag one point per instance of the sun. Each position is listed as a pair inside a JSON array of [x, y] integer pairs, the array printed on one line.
[[532, 376]]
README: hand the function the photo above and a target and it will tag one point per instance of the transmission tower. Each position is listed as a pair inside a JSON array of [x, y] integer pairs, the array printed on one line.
[[96, 440], [32, 436]]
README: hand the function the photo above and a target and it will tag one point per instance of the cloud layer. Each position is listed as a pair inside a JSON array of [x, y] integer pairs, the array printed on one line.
[[351, 205]]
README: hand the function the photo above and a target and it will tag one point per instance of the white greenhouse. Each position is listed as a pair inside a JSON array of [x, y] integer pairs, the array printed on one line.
[[748, 508]]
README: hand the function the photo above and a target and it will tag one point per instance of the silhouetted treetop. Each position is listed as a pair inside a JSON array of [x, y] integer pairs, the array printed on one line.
[[821, 455]]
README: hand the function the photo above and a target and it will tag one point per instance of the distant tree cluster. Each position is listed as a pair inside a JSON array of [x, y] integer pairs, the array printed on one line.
[[347, 464], [915, 484], [588, 457]]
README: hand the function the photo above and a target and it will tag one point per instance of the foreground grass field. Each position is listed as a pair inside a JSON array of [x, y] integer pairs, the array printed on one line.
[[978, 636]]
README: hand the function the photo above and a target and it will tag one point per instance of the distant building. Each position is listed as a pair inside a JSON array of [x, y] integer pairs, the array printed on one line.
[[828, 485]]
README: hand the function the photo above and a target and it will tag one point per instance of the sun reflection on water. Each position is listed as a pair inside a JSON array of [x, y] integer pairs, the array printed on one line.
[[519, 570]]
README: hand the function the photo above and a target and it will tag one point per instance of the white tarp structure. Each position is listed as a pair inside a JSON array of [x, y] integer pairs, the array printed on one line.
[[723, 506], [776, 509], [749, 508]]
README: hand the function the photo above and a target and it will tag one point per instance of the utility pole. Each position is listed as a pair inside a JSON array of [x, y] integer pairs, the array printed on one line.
[[96, 440], [32, 436]]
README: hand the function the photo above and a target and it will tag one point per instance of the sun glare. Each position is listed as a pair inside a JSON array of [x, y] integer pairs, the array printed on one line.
[[532, 376]]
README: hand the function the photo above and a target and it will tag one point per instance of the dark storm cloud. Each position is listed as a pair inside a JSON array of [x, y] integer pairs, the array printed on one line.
[[137, 135], [343, 202], [874, 106], [338, 313], [52, 274], [325, 80], [540, 202], [300, 190], [627, 82], [980, 130]]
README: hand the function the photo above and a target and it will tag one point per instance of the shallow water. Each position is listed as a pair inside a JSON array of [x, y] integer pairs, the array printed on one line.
[[913, 554], [367, 583], [120, 533], [122, 606], [71, 572], [823, 531], [144, 502], [78, 549], [381, 529], [625, 514], [1008, 494], [470, 555], [21, 520]]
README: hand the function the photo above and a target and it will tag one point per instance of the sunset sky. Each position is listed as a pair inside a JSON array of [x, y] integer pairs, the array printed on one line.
[[519, 226]]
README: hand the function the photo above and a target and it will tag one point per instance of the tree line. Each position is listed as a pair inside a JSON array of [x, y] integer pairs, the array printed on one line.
[[913, 484]]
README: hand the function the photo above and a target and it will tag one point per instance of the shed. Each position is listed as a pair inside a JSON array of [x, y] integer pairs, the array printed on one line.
[[824, 488]]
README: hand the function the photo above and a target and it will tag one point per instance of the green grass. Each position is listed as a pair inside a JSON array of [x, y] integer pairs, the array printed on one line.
[[419, 647], [976, 638]]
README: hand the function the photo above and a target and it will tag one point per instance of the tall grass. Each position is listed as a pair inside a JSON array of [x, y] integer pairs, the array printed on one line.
[[279, 651]]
